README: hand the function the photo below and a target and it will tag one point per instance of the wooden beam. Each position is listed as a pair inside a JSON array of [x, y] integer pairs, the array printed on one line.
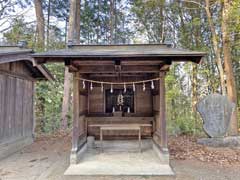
[[124, 75], [92, 62], [166, 65], [142, 62], [71, 67], [15, 57], [124, 69], [45, 72], [121, 79], [16, 75], [89, 63]]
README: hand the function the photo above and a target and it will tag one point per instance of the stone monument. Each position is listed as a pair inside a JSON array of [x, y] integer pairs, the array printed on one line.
[[216, 111]]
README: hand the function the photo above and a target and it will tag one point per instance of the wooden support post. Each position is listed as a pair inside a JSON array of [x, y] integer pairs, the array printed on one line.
[[79, 132], [160, 135], [162, 111], [75, 133]]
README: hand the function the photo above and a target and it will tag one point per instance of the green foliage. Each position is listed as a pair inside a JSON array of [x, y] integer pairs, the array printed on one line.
[[95, 22], [20, 31], [180, 116], [149, 19], [48, 100]]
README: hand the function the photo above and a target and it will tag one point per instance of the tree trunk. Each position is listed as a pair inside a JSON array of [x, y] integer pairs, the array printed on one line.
[[77, 23], [48, 22], [231, 86], [98, 22], [65, 103], [111, 21], [40, 22], [73, 34], [74, 21], [162, 19], [215, 47]]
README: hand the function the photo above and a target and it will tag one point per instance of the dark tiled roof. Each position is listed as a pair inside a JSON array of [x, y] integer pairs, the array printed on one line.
[[6, 50], [143, 50]]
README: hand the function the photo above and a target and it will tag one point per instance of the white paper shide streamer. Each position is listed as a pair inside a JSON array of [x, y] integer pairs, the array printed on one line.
[[124, 84]]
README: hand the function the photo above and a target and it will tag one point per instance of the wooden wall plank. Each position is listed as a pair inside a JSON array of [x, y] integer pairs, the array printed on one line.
[[13, 101], [10, 96], [96, 100], [143, 99], [19, 106], [5, 66], [30, 108], [25, 111], [16, 101], [2, 104]]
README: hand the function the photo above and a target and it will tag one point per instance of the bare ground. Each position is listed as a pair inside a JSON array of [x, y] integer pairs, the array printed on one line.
[[48, 157]]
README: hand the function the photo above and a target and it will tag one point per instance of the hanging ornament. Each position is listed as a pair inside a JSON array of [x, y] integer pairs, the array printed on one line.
[[102, 86], [91, 86], [111, 88], [84, 85], [125, 89], [144, 87], [134, 88], [152, 84]]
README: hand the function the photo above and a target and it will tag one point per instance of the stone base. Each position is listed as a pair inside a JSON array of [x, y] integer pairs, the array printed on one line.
[[163, 155], [230, 141], [76, 156], [120, 158], [90, 141], [118, 113], [9, 148]]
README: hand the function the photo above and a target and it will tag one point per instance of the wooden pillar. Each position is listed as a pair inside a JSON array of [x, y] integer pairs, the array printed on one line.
[[160, 135], [75, 133], [79, 130], [162, 111]]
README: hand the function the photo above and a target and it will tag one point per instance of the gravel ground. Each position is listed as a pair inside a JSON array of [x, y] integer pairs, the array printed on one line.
[[47, 159]]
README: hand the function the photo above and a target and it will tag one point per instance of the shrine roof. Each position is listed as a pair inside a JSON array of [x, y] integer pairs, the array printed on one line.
[[121, 52], [9, 54]]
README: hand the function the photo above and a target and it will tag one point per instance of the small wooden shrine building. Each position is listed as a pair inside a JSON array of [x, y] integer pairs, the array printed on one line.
[[119, 84], [17, 77]]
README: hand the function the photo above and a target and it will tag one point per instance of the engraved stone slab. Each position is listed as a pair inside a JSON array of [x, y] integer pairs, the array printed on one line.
[[216, 111]]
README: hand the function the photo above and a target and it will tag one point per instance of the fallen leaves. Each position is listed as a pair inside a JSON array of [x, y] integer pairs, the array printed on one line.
[[186, 147]]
